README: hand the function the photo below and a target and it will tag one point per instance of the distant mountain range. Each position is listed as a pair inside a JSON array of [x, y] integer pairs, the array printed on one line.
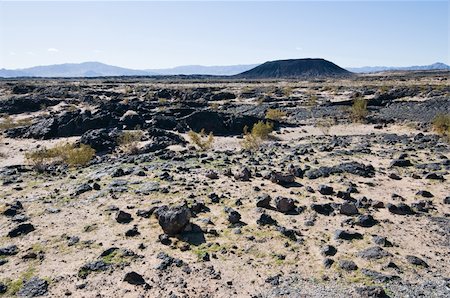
[[369, 69], [204, 70], [295, 68], [97, 69]]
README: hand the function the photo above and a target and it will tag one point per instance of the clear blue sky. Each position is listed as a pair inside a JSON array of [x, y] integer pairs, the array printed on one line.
[[147, 34]]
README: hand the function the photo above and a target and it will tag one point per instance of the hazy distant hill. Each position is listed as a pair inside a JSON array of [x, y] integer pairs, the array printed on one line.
[[86, 69], [204, 70], [367, 69], [294, 68]]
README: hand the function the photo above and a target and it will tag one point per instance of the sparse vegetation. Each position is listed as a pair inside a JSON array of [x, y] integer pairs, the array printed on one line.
[[275, 114], [261, 131], [64, 153], [359, 109], [129, 141], [325, 124], [8, 122], [201, 140], [441, 125]]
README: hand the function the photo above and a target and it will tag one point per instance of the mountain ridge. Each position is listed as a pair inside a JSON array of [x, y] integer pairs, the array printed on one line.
[[96, 69]]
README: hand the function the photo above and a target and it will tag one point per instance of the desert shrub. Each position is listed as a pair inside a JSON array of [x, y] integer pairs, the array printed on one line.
[[287, 91], [201, 140], [129, 141], [262, 130], [274, 114], [7, 122], [359, 109], [325, 124], [252, 140], [64, 153], [441, 125]]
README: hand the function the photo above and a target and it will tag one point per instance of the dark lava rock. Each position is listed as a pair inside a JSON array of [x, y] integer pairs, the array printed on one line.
[[446, 200], [134, 278], [217, 123], [123, 217], [347, 265], [327, 262], [173, 220], [3, 288], [289, 233], [146, 213], [366, 221], [102, 140], [400, 209], [13, 209], [374, 252], [266, 219], [324, 209], [346, 235], [232, 215], [328, 250], [33, 288], [280, 178], [325, 190], [371, 292], [95, 266], [9, 250], [401, 163], [243, 175], [273, 280], [167, 261], [382, 241], [348, 209], [132, 232], [377, 276], [82, 189], [416, 261], [21, 229], [354, 168], [73, 240], [284, 205], [263, 201], [424, 193]]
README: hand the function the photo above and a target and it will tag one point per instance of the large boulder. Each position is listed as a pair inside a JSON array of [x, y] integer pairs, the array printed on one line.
[[173, 220], [218, 123], [102, 140], [130, 119]]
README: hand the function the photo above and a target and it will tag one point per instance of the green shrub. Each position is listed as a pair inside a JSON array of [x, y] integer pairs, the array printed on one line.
[[201, 140], [441, 125], [60, 154], [262, 130], [275, 115], [129, 141], [359, 109]]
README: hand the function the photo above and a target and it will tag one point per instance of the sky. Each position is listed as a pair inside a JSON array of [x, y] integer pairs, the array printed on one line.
[[152, 34]]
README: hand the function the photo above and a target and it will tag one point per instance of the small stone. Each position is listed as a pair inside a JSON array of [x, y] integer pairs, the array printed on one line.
[[134, 278], [123, 217]]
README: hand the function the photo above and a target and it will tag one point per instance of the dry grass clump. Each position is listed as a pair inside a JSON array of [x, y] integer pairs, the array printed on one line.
[[441, 125], [129, 141], [7, 122], [201, 140], [64, 153], [325, 124], [260, 131], [275, 115], [359, 109]]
